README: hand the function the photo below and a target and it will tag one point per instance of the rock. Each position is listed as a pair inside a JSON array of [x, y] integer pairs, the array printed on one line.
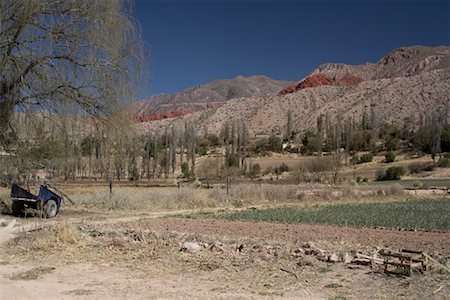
[[163, 115], [321, 256], [311, 249], [319, 80], [297, 252], [310, 81], [349, 80], [333, 258], [305, 261], [190, 247], [309, 245], [217, 247], [347, 258]]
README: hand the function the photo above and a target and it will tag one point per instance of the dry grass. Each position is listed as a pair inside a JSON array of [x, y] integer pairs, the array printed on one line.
[[349, 193], [247, 194], [156, 199], [152, 199], [141, 200], [32, 274], [56, 238], [83, 243]]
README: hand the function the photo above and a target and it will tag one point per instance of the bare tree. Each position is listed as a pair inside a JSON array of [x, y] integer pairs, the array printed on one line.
[[289, 126], [226, 139], [435, 134], [239, 143], [165, 162], [81, 54], [244, 137], [192, 144], [173, 148], [233, 138], [319, 134]]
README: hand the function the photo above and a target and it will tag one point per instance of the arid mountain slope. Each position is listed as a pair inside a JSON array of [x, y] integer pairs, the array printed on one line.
[[206, 96], [402, 62], [408, 82]]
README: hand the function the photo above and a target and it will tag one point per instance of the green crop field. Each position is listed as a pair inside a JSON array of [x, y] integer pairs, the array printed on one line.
[[414, 214]]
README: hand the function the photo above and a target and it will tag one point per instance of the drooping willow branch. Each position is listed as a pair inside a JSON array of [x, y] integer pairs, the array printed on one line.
[[83, 54]]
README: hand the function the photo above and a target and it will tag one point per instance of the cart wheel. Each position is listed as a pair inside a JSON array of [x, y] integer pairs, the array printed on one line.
[[17, 209], [50, 209]]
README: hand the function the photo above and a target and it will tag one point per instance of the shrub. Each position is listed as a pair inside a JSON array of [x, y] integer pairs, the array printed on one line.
[[281, 168], [201, 150], [380, 174], [360, 179], [394, 173], [416, 168], [366, 158], [255, 170], [213, 140], [445, 139], [417, 184], [275, 143], [321, 169], [444, 163], [186, 171], [233, 160], [389, 157]]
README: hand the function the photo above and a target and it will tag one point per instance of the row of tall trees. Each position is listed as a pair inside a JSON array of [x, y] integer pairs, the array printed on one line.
[[235, 139], [426, 133]]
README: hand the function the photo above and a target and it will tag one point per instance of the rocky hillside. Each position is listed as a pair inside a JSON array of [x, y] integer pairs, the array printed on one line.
[[405, 83], [402, 62], [207, 96]]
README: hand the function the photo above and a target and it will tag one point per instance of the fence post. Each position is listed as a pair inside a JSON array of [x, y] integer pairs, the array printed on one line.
[[228, 186]]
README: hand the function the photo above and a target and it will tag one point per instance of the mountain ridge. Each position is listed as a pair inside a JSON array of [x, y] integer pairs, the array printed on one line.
[[405, 83], [207, 95]]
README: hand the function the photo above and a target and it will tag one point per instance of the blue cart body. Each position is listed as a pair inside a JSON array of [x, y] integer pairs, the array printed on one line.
[[22, 199]]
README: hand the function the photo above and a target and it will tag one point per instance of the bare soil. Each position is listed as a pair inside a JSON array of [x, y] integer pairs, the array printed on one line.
[[301, 233], [141, 258]]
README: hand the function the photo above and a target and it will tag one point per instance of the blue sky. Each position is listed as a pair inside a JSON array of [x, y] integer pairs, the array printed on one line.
[[194, 42]]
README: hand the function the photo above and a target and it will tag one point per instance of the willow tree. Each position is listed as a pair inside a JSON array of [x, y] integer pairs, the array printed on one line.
[[55, 54]]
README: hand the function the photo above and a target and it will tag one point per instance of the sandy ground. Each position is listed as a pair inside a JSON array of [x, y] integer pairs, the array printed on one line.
[[255, 261]]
